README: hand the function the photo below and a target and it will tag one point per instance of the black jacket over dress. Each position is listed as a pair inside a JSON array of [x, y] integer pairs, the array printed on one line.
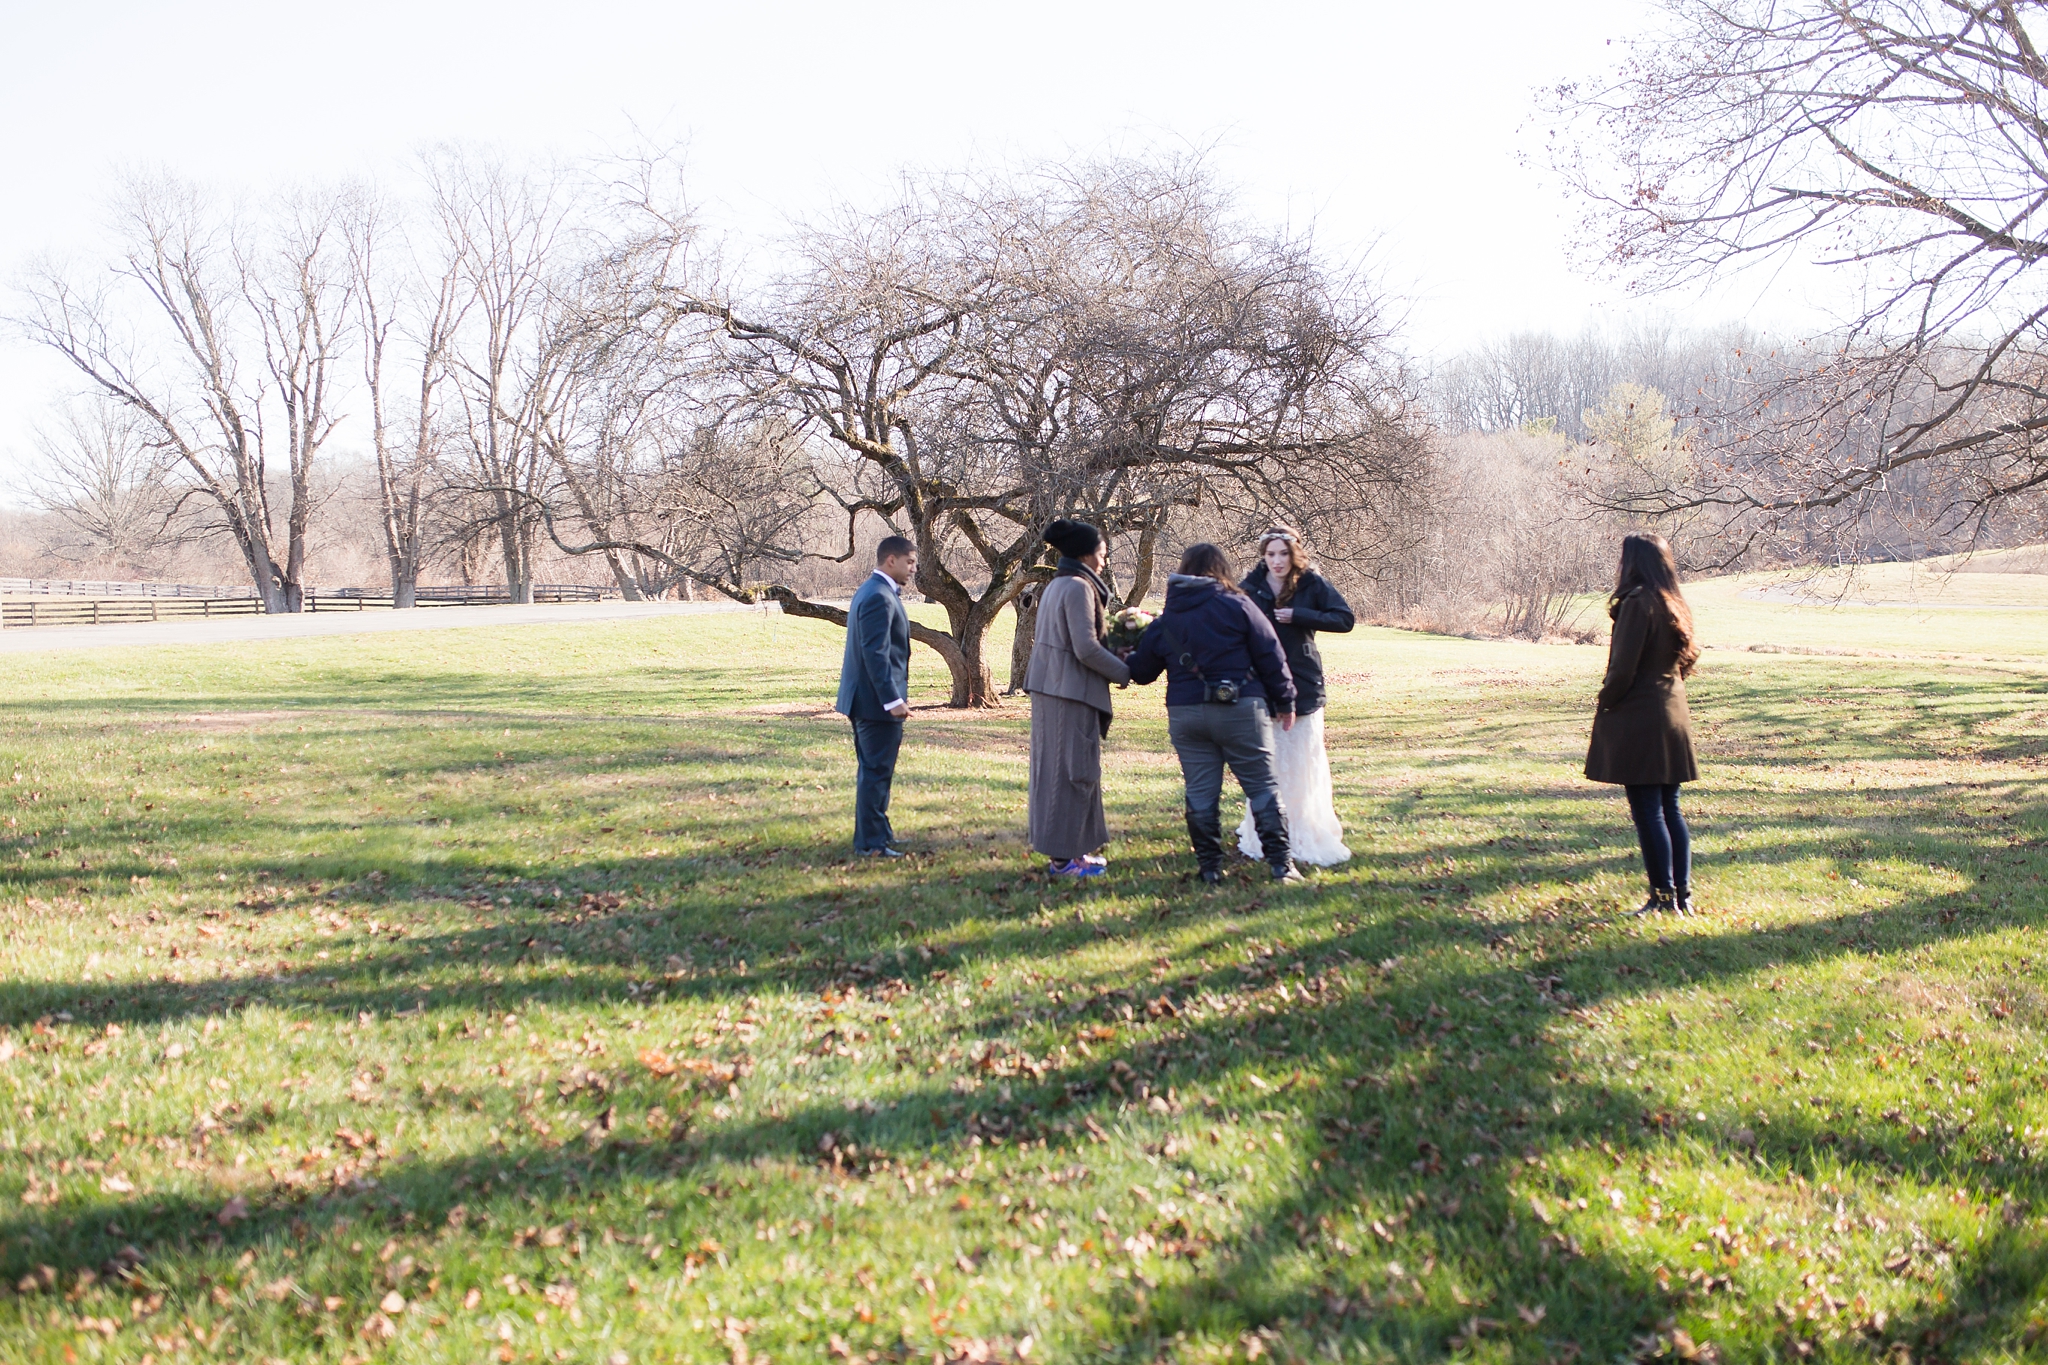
[[1642, 731], [1317, 606], [1224, 635]]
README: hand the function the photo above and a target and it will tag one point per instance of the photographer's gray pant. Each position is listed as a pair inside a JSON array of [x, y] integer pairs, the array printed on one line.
[[1208, 737]]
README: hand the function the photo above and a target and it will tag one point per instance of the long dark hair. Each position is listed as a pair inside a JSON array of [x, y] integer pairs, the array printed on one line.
[[1204, 560], [1647, 565]]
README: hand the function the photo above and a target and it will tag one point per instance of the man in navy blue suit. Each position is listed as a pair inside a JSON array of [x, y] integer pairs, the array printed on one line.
[[874, 690]]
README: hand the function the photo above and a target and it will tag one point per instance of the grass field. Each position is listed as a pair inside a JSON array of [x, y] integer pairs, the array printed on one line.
[[508, 995]]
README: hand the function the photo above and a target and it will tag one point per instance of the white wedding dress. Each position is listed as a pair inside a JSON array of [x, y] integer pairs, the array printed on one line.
[[1302, 770]]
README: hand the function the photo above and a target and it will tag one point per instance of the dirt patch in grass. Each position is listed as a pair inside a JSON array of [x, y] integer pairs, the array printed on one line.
[[1018, 708], [1929, 996], [796, 710], [229, 722]]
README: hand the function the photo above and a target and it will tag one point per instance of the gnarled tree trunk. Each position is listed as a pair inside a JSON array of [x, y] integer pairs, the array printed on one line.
[[1026, 603]]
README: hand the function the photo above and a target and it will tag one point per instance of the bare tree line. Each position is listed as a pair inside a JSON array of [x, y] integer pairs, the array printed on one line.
[[1590, 436], [235, 385], [541, 354], [226, 343], [1895, 146], [1532, 379], [548, 360]]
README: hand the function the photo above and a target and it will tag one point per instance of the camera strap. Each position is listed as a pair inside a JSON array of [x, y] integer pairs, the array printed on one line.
[[1181, 653], [1186, 658]]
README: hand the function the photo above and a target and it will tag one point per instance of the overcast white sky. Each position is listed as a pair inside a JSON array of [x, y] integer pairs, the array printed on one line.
[[1391, 126]]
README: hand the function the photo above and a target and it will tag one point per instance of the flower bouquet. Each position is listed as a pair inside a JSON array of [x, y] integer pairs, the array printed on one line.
[[1127, 627]]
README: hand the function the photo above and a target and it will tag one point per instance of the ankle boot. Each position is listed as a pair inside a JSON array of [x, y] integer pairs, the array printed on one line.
[[1205, 832], [1660, 901], [1682, 900]]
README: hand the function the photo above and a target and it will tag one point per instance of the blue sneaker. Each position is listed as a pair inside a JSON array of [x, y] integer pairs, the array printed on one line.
[[1076, 867]]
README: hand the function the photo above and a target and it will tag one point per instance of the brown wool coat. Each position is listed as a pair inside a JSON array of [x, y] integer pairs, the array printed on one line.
[[1642, 731]]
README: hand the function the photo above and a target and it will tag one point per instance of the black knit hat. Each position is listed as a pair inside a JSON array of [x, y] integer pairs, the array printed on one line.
[[1073, 538]]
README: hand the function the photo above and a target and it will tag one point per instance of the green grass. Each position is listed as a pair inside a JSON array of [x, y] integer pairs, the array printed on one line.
[[522, 975]]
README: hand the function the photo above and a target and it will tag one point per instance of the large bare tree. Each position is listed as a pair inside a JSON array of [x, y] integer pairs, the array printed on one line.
[[1898, 146], [224, 336], [673, 489], [985, 355], [511, 234], [618, 418], [411, 307]]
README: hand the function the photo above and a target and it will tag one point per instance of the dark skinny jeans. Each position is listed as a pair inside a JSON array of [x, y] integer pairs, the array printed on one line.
[[1667, 843]]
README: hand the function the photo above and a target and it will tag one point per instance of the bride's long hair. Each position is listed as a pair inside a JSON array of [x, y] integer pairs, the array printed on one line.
[[1298, 562]]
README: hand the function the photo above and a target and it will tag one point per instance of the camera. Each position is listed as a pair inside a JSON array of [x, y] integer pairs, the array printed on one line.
[[1223, 693]]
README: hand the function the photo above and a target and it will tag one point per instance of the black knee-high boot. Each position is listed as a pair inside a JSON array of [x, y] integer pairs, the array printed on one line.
[[1271, 824], [1205, 832]]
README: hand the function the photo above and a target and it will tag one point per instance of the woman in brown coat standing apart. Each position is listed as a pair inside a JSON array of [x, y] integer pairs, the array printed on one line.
[[1642, 732], [1068, 680]]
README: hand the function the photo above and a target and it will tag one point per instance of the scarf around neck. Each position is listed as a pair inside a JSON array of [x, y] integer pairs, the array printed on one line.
[[1074, 568]]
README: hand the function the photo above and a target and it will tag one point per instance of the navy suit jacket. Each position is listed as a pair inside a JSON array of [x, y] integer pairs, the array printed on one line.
[[876, 670]]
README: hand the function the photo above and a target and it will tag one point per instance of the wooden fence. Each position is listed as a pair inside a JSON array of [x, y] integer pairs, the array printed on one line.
[[99, 611], [70, 587], [60, 610]]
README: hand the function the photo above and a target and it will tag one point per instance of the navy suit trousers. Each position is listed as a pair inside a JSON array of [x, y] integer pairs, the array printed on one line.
[[875, 743]]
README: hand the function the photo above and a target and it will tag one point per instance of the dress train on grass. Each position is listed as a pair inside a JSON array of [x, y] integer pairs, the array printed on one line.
[[1302, 769]]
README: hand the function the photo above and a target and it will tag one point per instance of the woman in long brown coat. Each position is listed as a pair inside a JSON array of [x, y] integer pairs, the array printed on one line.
[[1642, 731], [1068, 679]]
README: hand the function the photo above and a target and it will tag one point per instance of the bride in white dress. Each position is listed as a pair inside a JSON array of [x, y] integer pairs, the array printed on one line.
[[1300, 602]]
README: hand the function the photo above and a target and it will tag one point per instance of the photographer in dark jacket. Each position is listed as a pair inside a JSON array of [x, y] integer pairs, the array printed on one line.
[[1225, 672]]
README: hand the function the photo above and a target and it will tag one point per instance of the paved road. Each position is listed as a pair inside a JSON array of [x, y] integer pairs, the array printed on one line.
[[241, 629]]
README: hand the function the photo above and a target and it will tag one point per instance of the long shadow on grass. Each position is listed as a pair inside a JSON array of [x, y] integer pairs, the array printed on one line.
[[1601, 1294], [785, 937], [1910, 819], [1402, 1040], [1403, 1044]]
